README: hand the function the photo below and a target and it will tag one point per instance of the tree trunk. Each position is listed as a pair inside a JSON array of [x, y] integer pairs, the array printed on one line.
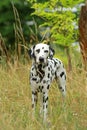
[[83, 34], [69, 59]]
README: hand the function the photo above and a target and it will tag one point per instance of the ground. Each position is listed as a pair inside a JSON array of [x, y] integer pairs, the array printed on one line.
[[15, 102]]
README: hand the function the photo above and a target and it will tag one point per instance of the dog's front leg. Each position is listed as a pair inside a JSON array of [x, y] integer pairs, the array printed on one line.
[[45, 105], [34, 101]]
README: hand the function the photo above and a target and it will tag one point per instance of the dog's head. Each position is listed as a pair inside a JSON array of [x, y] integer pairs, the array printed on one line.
[[41, 52]]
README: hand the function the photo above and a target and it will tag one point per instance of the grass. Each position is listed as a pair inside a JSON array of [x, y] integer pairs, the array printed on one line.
[[15, 102]]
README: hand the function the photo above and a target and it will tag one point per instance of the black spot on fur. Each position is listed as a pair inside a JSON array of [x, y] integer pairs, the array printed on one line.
[[38, 50], [51, 78], [47, 64], [58, 67], [48, 86], [43, 106], [62, 74], [39, 87], [42, 87], [46, 51], [37, 82], [60, 87], [54, 62], [52, 52], [34, 79], [35, 100], [46, 106], [48, 75], [60, 62], [43, 92], [51, 66], [44, 81], [45, 99], [65, 77], [34, 93], [33, 68], [55, 75], [48, 68], [44, 66], [31, 74], [51, 61]]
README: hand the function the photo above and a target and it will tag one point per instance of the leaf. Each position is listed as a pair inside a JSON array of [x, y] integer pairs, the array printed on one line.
[[61, 25]]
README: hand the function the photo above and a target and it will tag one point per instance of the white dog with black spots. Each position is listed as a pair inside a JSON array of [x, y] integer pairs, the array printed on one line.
[[44, 69]]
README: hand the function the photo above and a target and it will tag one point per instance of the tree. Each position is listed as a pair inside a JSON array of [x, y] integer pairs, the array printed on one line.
[[83, 33], [58, 16]]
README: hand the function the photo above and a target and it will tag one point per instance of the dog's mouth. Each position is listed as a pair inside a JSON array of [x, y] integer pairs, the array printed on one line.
[[41, 60]]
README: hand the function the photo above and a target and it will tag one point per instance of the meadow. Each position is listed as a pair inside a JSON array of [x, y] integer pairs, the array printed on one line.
[[15, 102]]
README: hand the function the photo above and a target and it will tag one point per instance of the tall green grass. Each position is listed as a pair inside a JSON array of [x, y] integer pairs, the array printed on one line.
[[15, 102]]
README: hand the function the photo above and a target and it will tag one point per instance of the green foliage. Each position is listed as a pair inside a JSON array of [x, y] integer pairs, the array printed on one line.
[[7, 19], [58, 16], [70, 3]]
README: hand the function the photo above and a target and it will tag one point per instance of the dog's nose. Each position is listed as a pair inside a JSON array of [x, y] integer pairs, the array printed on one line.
[[41, 59]]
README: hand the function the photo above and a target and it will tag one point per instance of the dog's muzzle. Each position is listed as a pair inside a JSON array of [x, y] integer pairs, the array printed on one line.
[[41, 60]]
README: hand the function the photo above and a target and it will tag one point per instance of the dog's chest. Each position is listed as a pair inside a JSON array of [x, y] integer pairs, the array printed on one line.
[[43, 74]]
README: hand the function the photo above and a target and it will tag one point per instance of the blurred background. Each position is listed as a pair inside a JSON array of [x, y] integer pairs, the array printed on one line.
[[27, 22]]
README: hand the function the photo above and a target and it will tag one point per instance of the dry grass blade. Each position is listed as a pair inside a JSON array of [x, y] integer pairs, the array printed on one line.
[[15, 102]]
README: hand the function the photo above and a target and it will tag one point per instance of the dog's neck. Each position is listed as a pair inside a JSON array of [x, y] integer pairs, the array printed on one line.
[[40, 66]]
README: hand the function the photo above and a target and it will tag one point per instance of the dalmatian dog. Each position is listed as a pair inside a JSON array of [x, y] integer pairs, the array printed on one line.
[[44, 69]]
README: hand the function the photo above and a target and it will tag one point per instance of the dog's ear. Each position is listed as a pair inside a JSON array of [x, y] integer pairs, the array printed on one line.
[[31, 52], [51, 52]]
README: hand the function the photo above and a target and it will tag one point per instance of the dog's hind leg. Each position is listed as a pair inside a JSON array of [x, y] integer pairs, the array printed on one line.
[[62, 83]]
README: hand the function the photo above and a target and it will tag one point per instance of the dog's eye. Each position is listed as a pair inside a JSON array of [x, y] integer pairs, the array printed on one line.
[[46, 51], [38, 50]]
